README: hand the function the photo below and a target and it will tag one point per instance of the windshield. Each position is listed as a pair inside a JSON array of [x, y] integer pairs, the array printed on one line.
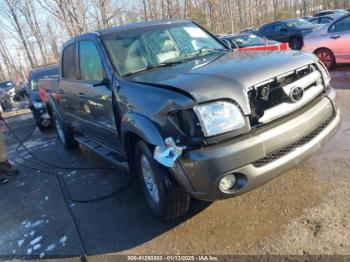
[[6, 84], [135, 50], [247, 40], [297, 23], [36, 76]]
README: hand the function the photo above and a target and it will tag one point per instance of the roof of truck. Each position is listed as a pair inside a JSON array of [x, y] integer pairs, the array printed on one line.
[[139, 25]]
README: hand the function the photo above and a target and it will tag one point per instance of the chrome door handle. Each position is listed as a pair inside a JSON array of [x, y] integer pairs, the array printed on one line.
[[335, 37]]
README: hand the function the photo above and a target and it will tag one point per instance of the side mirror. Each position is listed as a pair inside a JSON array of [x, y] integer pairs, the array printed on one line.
[[103, 82], [284, 30]]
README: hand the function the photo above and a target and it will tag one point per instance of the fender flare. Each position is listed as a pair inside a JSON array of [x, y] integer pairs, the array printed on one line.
[[141, 126]]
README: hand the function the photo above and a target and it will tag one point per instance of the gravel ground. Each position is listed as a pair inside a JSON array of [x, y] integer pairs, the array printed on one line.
[[323, 229]]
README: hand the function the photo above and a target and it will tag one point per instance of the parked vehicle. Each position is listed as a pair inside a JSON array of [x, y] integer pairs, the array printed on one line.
[[21, 91], [41, 113], [331, 12], [251, 30], [174, 105], [331, 43], [252, 42], [7, 92], [290, 31], [322, 20]]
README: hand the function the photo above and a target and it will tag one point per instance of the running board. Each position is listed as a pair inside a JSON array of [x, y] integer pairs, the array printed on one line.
[[104, 152]]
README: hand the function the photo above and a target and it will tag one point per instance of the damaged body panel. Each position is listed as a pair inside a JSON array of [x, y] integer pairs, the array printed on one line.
[[190, 116]]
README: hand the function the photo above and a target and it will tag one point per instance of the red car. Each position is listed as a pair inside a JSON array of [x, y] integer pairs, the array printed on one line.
[[251, 42]]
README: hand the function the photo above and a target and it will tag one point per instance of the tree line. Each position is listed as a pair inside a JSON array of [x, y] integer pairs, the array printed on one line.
[[32, 31]]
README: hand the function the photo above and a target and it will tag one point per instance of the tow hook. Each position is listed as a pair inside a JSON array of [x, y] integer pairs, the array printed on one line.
[[168, 153]]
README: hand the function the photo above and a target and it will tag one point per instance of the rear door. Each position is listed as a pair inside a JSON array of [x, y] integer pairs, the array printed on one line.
[[280, 32], [68, 99], [268, 32], [339, 39], [95, 94]]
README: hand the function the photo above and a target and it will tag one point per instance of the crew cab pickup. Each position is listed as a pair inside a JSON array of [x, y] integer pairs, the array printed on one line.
[[175, 106]]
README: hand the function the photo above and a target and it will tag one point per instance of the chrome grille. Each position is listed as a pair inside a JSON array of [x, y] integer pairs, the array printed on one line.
[[290, 148], [270, 99]]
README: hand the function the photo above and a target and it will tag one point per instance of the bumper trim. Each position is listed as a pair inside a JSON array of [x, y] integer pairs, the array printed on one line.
[[273, 156]]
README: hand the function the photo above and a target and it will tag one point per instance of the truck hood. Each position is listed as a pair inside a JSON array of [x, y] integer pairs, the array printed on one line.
[[224, 75]]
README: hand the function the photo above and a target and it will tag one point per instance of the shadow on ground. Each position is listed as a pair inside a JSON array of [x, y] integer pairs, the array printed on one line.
[[37, 222]]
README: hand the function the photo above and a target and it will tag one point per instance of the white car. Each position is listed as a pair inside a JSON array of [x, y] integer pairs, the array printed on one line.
[[331, 43]]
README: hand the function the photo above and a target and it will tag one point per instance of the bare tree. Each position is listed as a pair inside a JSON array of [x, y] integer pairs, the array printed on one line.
[[29, 12], [9, 12]]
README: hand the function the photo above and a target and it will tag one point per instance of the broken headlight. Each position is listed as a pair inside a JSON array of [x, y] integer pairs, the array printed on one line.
[[219, 117]]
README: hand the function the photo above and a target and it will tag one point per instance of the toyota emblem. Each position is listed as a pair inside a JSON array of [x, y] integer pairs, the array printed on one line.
[[296, 94]]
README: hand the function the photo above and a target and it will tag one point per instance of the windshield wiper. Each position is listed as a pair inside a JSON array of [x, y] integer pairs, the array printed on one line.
[[150, 67], [207, 50]]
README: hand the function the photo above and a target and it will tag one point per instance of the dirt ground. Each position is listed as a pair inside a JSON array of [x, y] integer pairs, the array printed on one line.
[[305, 211]]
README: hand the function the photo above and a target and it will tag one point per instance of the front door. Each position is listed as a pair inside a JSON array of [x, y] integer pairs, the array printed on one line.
[[339, 38], [96, 96]]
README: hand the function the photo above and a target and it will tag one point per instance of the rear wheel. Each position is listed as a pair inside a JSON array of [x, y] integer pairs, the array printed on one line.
[[64, 134], [296, 43], [166, 198], [327, 57]]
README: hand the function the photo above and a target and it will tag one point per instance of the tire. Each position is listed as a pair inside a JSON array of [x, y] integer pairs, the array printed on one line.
[[38, 123], [167, 200], [296, 43], [327, 57], [64, 134]]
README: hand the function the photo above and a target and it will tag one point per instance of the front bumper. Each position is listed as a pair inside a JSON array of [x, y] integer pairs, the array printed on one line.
[[263, 154]]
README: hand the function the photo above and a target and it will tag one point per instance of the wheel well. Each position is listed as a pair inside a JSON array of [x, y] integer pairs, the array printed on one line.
[[297, 37], [130, 140], [320, 48]]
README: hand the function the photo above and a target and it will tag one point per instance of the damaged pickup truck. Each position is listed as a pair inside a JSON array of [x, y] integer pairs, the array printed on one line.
[[190, 117]]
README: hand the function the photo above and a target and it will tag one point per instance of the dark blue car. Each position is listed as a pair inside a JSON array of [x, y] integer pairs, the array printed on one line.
[[41, 114], [291, 31]]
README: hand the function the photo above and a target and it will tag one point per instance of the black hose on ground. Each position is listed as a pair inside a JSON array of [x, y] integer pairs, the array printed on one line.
[[61, 184]]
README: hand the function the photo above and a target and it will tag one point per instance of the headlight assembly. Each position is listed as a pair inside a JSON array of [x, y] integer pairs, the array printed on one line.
[[219, 117]]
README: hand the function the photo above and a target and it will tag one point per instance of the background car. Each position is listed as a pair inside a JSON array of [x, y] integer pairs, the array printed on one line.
[[252, 42], [39, 109], [6, 102], [322, 19], [250, 30], [331, 43], [290, 31], [9, 87], [331, 12]]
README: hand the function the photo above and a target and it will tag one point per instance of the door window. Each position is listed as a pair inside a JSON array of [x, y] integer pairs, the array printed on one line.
[[341, 25], [278, 27], [68, 63], [268, 29], [314, 21], [325, 20], [91, 67]]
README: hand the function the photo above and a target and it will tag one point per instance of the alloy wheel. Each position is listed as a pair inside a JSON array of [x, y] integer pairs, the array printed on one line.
[[149, 179]]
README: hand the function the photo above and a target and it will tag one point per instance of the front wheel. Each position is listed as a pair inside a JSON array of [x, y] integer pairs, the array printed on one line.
[[166, 198], [64, 134]]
